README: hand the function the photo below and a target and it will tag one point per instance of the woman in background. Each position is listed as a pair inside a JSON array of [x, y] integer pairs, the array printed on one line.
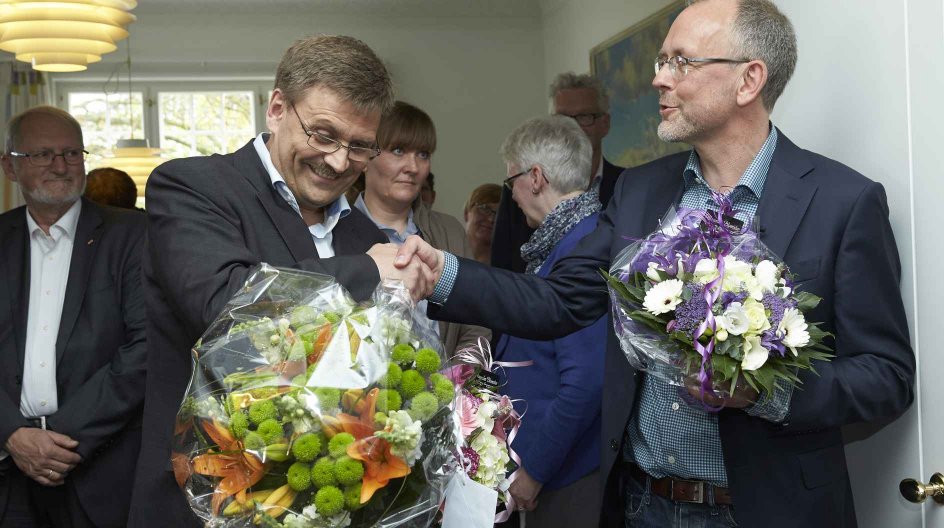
[[393, 180], [480, 211], [558, 484]]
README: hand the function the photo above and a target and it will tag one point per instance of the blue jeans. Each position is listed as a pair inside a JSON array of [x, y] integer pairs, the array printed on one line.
[[646, 510]]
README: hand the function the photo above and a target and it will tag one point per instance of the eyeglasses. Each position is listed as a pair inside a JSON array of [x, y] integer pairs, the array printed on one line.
[[44, 158], [510, 181], [584, 119], [486, 209], [329, 145], [682, 64]]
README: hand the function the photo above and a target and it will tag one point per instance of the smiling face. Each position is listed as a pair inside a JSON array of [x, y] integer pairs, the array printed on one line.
[[696, 105], [315, 178], [397, 175], [59, 184]]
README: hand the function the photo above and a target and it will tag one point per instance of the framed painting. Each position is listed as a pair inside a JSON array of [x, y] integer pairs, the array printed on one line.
[[624, 64]]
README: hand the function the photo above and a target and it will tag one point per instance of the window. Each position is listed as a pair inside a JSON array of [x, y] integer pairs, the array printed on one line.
[[106, 118], [203, 123]]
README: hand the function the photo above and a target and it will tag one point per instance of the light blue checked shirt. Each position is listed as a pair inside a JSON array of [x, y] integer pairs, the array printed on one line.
[[668, 437]]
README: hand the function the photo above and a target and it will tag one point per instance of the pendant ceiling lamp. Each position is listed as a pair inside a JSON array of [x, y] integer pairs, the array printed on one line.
[[63, 35], [134, 156]]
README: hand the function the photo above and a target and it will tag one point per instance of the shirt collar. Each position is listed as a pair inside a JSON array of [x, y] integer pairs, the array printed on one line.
[[65, 226], [754, 177], [410, 229], [334, 212]]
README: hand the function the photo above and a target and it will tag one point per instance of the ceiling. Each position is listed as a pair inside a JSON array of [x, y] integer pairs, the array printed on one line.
[[403, 8]]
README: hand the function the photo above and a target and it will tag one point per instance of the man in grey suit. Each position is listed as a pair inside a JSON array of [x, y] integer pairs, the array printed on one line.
[[72, 341], [280, 200]]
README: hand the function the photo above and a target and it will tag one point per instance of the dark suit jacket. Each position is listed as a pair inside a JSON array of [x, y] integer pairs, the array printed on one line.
[[511, 229], [100, 350], [830, 225], [212, 219]]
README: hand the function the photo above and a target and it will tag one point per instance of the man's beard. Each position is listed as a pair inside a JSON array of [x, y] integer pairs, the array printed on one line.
[[40, 195]]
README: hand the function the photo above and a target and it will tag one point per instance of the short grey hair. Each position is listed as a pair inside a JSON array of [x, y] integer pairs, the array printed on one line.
[[762, 32], [14, 126], [558, 145], [344, 65], [573, 81]]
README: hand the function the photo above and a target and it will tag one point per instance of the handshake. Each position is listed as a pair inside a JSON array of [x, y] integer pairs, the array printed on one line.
[[416, 263]]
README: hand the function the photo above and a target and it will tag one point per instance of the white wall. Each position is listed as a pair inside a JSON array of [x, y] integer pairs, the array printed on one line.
[[857, 98], [477, 77]]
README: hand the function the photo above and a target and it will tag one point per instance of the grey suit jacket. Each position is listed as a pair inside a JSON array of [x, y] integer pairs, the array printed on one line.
[[100, 350], [211, 219]]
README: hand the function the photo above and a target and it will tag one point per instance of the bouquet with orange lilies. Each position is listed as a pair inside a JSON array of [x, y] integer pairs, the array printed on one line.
[[307, 410]]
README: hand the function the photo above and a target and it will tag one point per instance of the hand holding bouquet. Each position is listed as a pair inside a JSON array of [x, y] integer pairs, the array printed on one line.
[[306, 410], [705, 298]]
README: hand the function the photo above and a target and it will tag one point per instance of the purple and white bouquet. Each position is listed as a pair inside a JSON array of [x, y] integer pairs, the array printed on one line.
[[704, 298]]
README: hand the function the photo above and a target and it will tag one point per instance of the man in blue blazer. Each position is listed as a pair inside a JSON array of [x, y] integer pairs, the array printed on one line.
[[72, 338], [757, 462]]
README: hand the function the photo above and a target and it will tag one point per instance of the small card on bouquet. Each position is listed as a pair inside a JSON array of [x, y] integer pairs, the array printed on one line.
[[469, 504]]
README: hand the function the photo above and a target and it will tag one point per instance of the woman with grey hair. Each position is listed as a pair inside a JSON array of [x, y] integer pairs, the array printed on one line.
[[557, 484]]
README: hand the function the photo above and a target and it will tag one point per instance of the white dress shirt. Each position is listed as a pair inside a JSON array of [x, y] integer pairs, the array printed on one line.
[[320, 233], [50, 258]]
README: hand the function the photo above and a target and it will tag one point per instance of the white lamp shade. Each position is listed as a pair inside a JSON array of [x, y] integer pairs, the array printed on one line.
[[135, 157], [63, 35]]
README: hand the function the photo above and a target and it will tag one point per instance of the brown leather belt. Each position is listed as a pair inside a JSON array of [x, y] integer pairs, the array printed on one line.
[[692, 491]]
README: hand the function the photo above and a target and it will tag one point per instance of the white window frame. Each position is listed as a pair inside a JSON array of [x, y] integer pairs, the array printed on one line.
[[151, 87]]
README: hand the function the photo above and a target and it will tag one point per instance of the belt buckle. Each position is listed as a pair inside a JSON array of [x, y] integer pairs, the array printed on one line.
[[699, 497]]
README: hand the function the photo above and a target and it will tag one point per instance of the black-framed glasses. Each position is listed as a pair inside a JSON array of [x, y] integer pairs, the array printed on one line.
[[584, 119], [680, 65], [329, 145], [510, 181], [44, 158]]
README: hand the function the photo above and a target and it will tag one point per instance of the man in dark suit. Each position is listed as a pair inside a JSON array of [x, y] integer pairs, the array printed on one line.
[[775, 462], [582, 98], [278, 200], [72, 338]]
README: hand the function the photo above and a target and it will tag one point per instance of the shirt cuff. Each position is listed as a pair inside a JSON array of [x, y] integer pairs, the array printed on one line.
[[446, 281], [775, 407]]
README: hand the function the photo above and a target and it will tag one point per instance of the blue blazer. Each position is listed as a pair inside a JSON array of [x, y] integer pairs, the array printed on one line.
[[559, 437], [830, 225]]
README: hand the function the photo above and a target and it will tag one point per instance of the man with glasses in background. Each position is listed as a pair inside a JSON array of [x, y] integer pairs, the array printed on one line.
[[772, 460], [279, 200], [72, 337], [582, 98]]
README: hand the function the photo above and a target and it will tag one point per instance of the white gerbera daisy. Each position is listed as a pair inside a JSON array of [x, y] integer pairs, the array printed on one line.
[[663, 297], [793, 328]]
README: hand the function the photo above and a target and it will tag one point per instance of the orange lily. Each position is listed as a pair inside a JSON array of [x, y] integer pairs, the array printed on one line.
[[380, 464], [238, 469], [321, 342]]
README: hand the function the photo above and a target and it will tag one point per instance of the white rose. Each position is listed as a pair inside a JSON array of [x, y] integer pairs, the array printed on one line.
[[735, 319], [737, 274], [756, 316], [755, 355], [706, 270], [663, 297]]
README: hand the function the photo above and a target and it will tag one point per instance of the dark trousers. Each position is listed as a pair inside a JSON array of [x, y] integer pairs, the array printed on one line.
[[24, 503]]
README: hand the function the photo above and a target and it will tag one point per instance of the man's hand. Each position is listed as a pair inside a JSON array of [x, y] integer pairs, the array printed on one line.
[[44, 456], [525, 490], [743, 395], [415, 274], [415, 248]]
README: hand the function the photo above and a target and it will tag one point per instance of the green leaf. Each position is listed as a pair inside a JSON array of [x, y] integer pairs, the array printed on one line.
[[806, 301]]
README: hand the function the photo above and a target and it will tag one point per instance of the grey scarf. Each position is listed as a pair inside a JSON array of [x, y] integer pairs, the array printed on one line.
[[556, 225]]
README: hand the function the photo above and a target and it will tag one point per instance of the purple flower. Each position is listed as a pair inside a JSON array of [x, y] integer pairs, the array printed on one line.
[[690, 314], [777, 305], [772, 342], [730, 297], [470, 461]]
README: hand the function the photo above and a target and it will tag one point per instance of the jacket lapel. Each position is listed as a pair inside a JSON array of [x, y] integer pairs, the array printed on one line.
[[85, 246], [289, 224], [355, 234], [786, 196], [663, 194], [14, 266]]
